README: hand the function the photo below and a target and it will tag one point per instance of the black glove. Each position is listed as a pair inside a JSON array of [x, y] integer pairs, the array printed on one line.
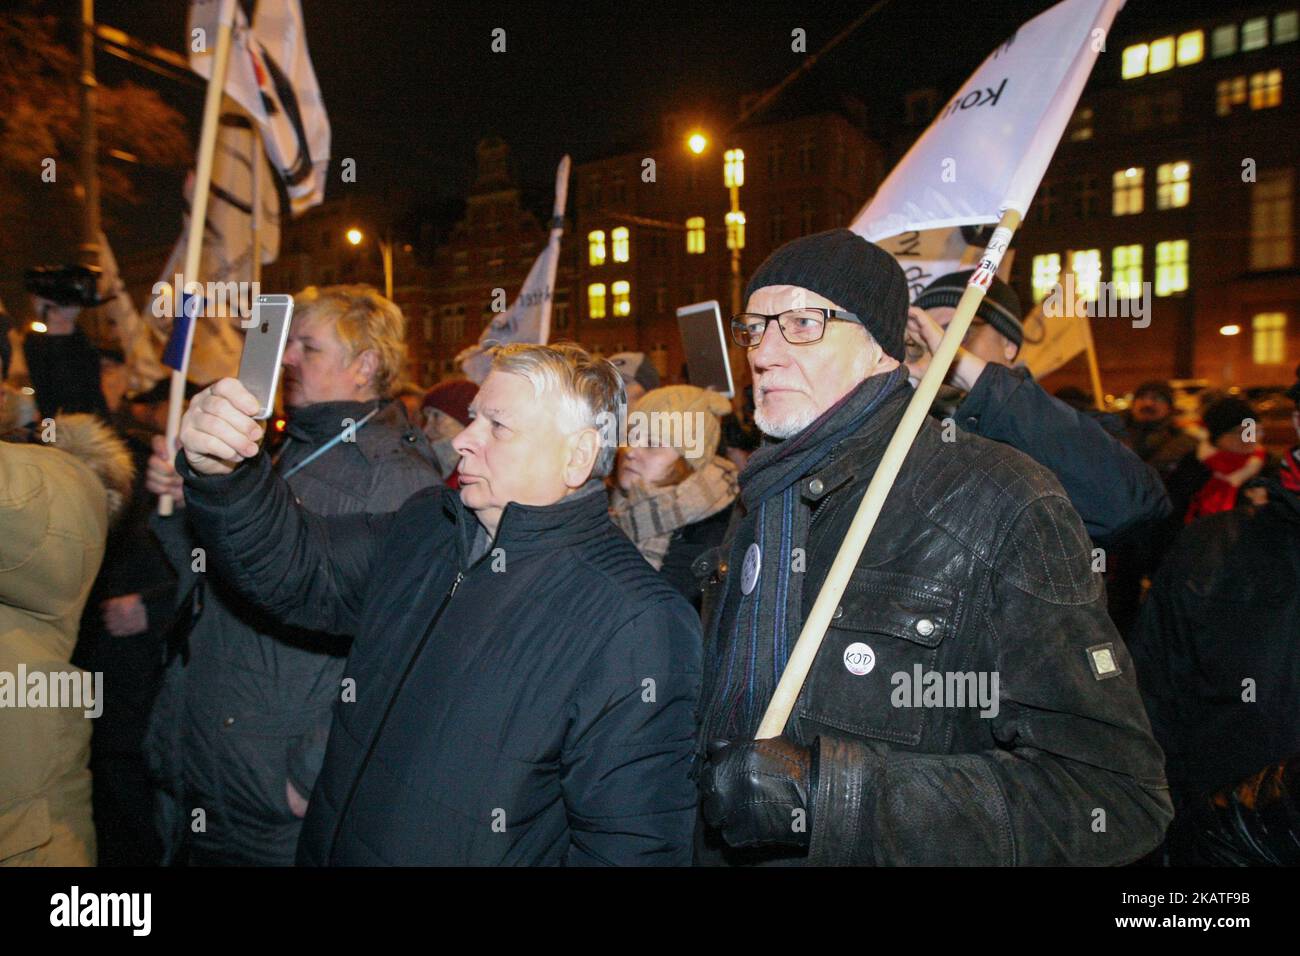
[[756, 791]]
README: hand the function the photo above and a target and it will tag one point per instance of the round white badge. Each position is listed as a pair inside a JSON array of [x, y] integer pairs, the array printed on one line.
[[749, 572], [859, 659]]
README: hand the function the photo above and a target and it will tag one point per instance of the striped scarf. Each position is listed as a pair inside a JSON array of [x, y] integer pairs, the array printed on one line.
[[749, 635], [650, 516]]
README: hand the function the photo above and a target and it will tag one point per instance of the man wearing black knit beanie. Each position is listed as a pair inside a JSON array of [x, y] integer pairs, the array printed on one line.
[[971, 702]]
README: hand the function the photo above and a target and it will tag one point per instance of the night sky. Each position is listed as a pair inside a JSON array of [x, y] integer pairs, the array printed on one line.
[[411, 86]]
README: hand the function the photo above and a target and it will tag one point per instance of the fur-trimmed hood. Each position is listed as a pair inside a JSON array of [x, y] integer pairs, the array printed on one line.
[[92, 442]]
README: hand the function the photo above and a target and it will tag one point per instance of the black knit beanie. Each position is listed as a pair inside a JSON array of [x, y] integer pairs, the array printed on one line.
[[1224, 416], [855, 274], [1000, 306]]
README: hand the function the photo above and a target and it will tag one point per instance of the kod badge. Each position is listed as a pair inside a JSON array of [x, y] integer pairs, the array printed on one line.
[[749, 573], [859, 659]]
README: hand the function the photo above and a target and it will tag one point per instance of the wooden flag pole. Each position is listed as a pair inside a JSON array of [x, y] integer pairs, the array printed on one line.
[[1094, 371], [198, 217], [814, 628]]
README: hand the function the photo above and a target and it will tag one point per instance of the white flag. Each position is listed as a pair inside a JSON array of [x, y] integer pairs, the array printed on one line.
[[529, 317], [987, 149], [1052, 338], [271, 77], [227, 253], [925, 256]]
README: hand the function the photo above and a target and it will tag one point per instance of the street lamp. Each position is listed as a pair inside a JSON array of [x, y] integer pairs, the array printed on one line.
[[697, 142], [355, 236]]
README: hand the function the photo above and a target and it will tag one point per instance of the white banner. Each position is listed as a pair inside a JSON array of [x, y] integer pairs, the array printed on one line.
[[1052, 340], [271, 77], [227, 255], [529, 317], [988, 147]]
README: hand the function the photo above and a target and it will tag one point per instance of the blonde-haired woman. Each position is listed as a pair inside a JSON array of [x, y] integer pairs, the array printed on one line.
[[674, 492]]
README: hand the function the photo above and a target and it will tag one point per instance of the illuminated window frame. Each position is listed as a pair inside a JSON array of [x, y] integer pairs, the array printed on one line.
[[1223, 41], [695, 235], [1127, 198], [1268, 338], [1254, 34], [622, 290], [1173, 185], [1126, 271], [1171, 267], [1086, 266], [1191, 47], [1135, 61], [596, 300], [1046, 275], [1265, 89], [1231, 92], [1161, 55], [596, 247], [619, 238]]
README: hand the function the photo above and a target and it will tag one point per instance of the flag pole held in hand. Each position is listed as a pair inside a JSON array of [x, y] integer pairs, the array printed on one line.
[[819, 618], [198, 213]]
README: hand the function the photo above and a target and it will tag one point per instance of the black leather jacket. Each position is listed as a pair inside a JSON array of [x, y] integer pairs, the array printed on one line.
[[978, 565]]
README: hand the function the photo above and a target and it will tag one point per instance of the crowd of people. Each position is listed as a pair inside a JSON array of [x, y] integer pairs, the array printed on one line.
[[461, 625]]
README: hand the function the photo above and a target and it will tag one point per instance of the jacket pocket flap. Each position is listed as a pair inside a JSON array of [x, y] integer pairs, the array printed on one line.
[[24, 826], [901, 605]]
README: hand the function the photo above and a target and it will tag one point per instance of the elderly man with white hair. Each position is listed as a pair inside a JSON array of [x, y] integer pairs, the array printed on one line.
[[522, 685], [971, 702]]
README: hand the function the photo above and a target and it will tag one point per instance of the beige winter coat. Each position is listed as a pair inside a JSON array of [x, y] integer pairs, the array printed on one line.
[[55, 506]]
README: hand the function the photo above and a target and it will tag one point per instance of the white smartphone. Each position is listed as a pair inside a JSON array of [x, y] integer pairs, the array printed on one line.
[[708, 364], [264, 342]]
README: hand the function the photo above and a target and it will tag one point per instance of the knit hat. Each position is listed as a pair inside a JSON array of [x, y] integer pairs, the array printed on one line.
[[635, 367], [855, 274], [1225, 415], [688, 400], [1158, 388], [451, 398], [1000, 306]]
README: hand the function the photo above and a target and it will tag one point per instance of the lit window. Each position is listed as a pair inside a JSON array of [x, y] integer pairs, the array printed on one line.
[[1047, 273], [1224, 40], [619, 238], [1162, 55], [1265, 89], [1173, 185], [1271, 239], [695, 235], [1135, 61], [596, 247], [622, 298], [733, 168], [1231, 93], [1191, 47], [1268, 346], [1171, 267], [1254, 34], [1086, 266], [1126, 271], [596, 300], [1127, 191], [1286, 27], [736, 230]]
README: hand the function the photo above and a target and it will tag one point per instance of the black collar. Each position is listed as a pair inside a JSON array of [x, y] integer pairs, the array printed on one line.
[[573, 520], [321, 421]]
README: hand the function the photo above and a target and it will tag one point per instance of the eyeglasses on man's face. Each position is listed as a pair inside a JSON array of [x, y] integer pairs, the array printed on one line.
[[798, 326]]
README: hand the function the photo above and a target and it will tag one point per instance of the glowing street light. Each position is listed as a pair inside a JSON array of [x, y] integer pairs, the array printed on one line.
[[355, 236], [1229, 329], [697, 143]]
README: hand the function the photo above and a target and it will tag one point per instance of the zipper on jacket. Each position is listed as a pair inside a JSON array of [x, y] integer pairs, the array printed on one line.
[[397, 691]]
